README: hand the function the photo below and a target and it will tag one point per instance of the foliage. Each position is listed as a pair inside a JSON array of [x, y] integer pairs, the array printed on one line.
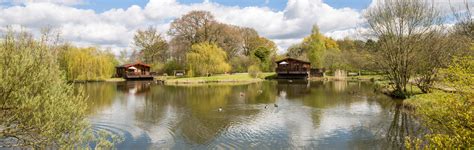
[[321, 51], [201, 26], [296, 51], [205, 58], [87, 63], [171, 66], [153, 47], [403, 28], [449, 115], [460, 74], [240, 63], [315, 48], [157, 67], [254, 71], [38, 108], [264, 56]]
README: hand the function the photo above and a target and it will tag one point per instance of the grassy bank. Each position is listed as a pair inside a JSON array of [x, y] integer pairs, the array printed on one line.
[[448, 116], [100, 80], [350, 78], [233, 78]]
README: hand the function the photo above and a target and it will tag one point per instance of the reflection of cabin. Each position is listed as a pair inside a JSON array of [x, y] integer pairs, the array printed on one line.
[[134, 87], [293, 68], [134, 71]]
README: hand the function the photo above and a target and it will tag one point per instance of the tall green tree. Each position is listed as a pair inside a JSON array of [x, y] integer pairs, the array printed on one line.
[[315, 48], [206, 58]]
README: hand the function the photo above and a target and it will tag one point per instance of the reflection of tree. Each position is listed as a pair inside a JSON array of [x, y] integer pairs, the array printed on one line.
[[403, 125], [99, 95], [204, 122], [260, 93], [197, 117]]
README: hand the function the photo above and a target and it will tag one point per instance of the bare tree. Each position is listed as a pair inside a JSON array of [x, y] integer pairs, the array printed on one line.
[[194, 27], [465, 19], [153, 47], [401, 27]]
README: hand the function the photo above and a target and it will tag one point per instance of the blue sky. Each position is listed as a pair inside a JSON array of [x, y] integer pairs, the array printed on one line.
[[103, 5], [112, 23]]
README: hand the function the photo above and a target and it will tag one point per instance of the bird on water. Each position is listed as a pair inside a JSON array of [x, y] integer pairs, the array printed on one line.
[[275, 105], [220, 109]]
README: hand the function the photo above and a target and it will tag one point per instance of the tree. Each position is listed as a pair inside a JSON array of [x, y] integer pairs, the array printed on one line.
[[194, 27], [153, 47], [401, 26], [200, 26], [435, 54], [296, 51], [315, 48], [249, 37], [87, 63], [264, 56], [38, 109], [206, 58], [465, 20]]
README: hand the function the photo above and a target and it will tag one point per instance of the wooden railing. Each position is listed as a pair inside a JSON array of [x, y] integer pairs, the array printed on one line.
[[138, 75], [292, 71]]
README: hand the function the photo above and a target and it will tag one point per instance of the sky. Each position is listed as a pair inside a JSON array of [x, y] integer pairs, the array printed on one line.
[[112, 23]]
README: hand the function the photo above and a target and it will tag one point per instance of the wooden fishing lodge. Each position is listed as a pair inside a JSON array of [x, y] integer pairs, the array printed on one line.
[[135, 71], [290, 68]]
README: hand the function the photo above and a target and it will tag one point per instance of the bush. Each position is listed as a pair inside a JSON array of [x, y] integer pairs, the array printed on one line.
[[449, 116], [171, 66], [38, 109], [254, 71]]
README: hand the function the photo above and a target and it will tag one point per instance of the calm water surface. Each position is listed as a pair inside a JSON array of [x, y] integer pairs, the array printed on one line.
[[266, 115]]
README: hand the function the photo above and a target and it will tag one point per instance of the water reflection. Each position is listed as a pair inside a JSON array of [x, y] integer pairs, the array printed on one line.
[[335, 115]]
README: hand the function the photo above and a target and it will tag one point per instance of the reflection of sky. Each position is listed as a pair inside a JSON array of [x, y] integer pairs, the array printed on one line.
[[290, 125], [338, 125]]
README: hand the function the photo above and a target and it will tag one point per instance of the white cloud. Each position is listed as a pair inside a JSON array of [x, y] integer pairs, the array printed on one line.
[[115, 27]]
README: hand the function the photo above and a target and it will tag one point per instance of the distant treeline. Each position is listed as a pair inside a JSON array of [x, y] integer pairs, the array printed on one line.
[[202, 45]]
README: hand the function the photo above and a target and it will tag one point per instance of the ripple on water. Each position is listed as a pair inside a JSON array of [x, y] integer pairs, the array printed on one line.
[[131, 135]]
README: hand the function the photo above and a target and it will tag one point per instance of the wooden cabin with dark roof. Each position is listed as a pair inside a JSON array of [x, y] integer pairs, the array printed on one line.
[[290, 68], [135, 71]]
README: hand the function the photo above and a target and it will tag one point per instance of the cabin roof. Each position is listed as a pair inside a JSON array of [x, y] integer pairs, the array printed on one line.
[[134, 64], [288, 58]]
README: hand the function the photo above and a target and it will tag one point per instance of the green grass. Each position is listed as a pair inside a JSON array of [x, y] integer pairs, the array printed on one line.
[[114, 80], [238, 77], [367, 77]]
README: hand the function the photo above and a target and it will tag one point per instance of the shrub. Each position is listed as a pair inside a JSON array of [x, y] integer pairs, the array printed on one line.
[[254, 71]]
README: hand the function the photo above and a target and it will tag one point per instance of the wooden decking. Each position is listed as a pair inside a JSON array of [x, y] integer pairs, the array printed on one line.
[[292, 73], [138, 76]]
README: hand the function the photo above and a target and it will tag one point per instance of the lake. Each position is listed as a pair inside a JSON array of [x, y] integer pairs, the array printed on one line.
[[266, 115]]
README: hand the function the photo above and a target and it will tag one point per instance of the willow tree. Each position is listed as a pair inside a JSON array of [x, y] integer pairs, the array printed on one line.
[[401, 26], [205, 58], [38, 108], [87, 63]]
